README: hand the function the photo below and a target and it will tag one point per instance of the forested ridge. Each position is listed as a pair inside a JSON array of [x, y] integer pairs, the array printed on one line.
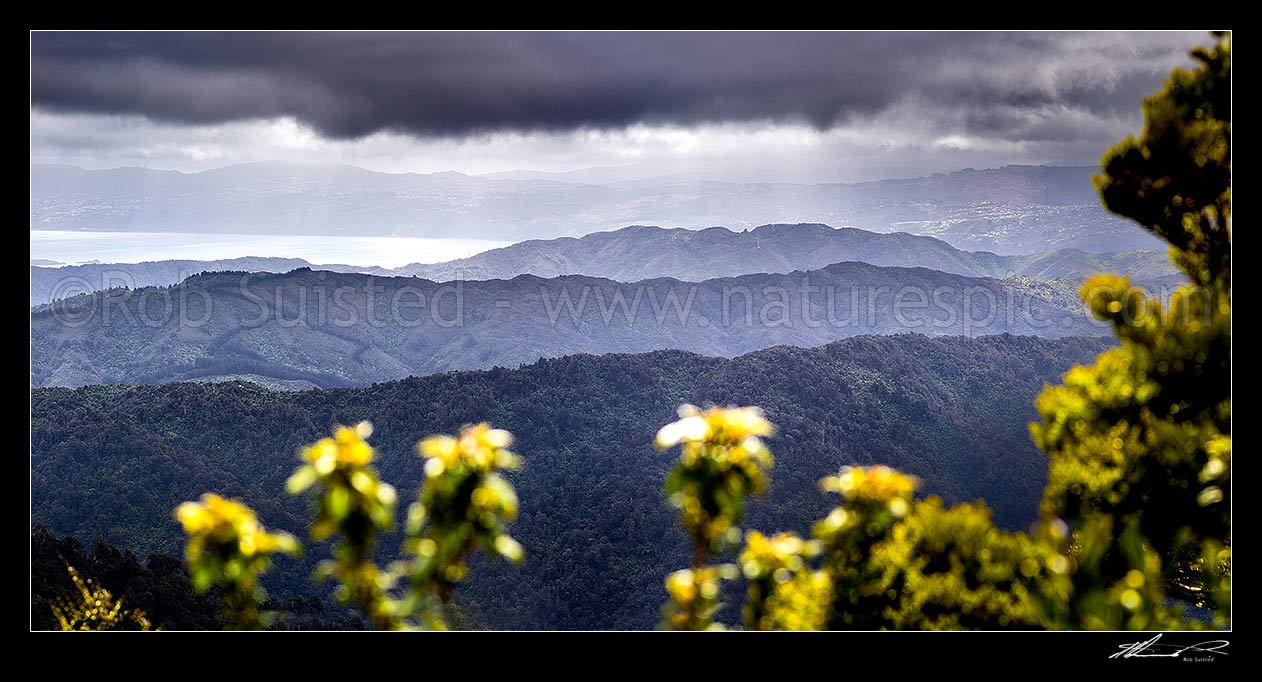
[[112, 461], [343, 329]]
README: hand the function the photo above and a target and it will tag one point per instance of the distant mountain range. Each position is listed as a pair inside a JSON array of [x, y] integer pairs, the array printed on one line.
[[1010, 210], [639, 252], [636, 253], [337, 329], [113, 461], [637, 173]]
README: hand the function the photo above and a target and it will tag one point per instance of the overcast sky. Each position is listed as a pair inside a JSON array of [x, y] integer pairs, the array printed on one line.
[[770, 106]]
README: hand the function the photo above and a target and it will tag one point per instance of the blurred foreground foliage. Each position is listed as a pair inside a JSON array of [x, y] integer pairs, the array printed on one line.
[[464, 506], [1139, 443], [94, 608], [228, 548]]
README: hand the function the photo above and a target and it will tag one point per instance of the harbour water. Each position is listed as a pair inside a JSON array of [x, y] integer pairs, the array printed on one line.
[[75, 248]]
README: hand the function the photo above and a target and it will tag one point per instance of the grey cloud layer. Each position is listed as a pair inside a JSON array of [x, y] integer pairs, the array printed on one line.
[[1009, 86]]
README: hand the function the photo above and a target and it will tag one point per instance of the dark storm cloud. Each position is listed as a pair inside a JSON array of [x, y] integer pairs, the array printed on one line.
[[347, 85]]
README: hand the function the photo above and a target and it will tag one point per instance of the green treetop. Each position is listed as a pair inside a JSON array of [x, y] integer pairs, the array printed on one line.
[[1139, 443]]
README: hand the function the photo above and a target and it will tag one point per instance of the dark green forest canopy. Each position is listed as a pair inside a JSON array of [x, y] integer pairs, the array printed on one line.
[[112, 461]]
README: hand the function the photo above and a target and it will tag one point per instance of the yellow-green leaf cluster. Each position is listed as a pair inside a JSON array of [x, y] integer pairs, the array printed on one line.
[[722, 460], [951, 569], [94, 608], [695, 597], [465, 504], [341, 467], [784, 592], [352, 504], [227, 546], [874, 499]]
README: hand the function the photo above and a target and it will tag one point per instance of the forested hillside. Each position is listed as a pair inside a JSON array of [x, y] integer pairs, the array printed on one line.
[[115, 460], [337, 329]]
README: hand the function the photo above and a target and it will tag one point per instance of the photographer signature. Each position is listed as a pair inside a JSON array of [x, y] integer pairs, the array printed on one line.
[[1151, 649]]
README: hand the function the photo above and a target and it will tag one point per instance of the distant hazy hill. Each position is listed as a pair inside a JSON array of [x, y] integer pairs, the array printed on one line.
[[335, 329], [599, 537], [637, 253], [1015, 209], [53, 283]]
